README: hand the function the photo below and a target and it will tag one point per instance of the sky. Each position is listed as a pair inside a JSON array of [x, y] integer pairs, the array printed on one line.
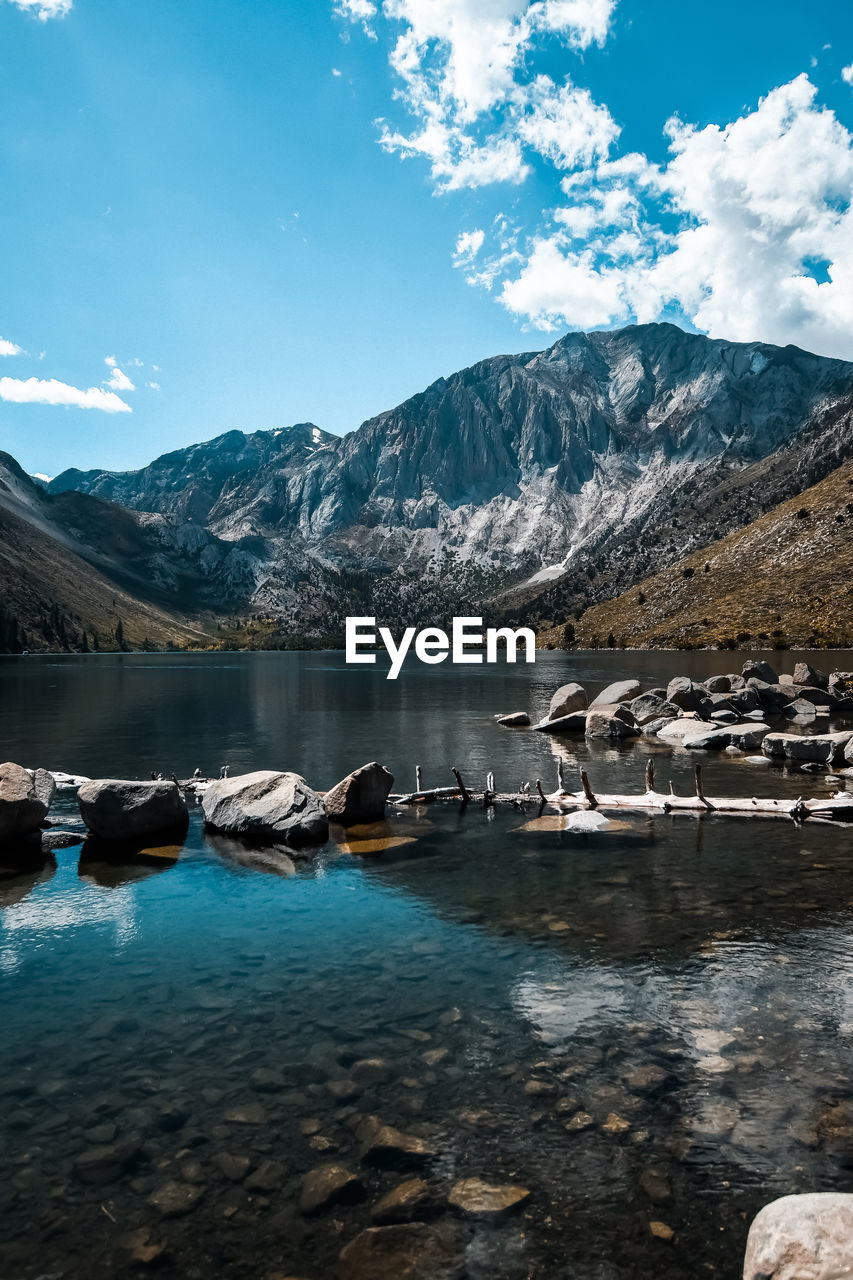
[[216, 214]]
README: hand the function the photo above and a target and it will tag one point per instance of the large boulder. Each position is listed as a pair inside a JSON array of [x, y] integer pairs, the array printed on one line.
[[568, 698], [115, 809], [650, 707], [744, 700], [746, 737], [614, 721], [686, 693], [772, 697], [575, 722], [718, 684], [821, 748], [620, 691], [685, 727], [360, 796], [760, 671], [267, 806], [805, 673], [22, 808], [807, 1237]]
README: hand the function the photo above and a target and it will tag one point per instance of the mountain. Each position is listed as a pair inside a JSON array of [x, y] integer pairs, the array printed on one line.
[[525, 486], [783, 581], [60, 590]]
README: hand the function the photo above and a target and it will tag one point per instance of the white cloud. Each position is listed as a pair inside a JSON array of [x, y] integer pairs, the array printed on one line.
[[747, 230], [110, 361], [468, 245], [362, 11], [336, 72], [50, 391], [153, 386], [45, 9], [463, 69], [8, 348], [847, 74], [119, 381]]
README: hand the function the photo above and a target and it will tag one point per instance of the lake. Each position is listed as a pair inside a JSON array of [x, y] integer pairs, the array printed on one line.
[[649, 1029]]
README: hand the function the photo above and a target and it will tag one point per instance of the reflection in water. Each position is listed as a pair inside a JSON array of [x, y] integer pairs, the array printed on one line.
[[273, 859], [111, 864], [16, 884], [372, 837]]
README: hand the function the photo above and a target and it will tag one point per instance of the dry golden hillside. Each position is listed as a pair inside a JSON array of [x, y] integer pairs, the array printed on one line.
[[784, 581]]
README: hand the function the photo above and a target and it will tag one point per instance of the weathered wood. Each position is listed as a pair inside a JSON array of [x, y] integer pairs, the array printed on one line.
[[650, 775], [587, 789], [466, 794]]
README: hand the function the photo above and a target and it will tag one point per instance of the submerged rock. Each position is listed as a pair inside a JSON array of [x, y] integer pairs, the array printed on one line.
[[385, 1146], [408, 1251], [174, 1199], [115, 809], [477, 1199], [514, 719], [267, 806], [802, 1237], [360, 796], [408, 1202], [22, 809], [326, 1185]]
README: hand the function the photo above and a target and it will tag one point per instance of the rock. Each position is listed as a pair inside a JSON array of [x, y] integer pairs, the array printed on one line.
[[819, 697], [477, 1199], [586, 820], [514, 720], [760, 671], [268, 1176], [745, 737], [613, 721], [115, 809], [249, 1113], [802, 1237], [407, 1251], [267, 806], [44, 785], [574, 723], [685, 693], [620, 691], [800, 709], [744, 700], [267, 1080], [718, 684], [682, 728], [101, 1165], [360, 796], [174, 1199], [806, 674], [371, 1071], [408, 1202], [52, 840], [580, 1121], [233, 1167], [326, 1185], [615, 1124], [653, 728], [386, 1147], [649, 707], [655, 1186], [823, 748], [568, 698], [771, 697], [21, 810], [662, 1231], [848, 752]]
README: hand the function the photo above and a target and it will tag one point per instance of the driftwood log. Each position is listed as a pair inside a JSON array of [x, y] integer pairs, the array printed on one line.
[[838, 806]]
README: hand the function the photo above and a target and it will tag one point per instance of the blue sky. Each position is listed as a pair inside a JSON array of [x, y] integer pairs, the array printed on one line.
[[275, 212]]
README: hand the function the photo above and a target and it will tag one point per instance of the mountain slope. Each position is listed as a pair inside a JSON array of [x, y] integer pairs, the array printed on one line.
[[524, 467], [785, 580], [52, 597]]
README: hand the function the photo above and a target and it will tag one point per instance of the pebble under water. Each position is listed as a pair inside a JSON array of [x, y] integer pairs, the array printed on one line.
[[649, 1029]]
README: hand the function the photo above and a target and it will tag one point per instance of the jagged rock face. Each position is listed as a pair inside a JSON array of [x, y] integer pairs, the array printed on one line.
[[515, 462]]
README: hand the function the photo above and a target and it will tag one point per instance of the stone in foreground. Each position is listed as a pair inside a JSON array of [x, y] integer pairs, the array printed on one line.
[[267, 806], [387, 1147], [477, 1199], [22, 810], [823, 748], [115, 809], [329, 1184], [808, 1237], [410, 1251], [360, 796]]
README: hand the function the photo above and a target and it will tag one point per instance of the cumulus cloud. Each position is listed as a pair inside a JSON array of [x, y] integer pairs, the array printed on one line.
[[8, 348], [468, 245], [463, 73], [747, 230], [50, 391], [847, 74], [119, 381], [44, 10]]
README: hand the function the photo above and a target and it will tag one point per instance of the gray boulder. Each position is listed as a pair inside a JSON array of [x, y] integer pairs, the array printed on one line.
[[800, 709], [807, 1237], [744, 737], [718, 684], [840, 684], [772, 696], [760, 671], [848, 752], [267, 806], [514, 720], [568, 698], [573, 723], [822, 748], [650, 707], [22, 809], [44, 785], [360, 796], [620, 691], [744, 700], [654, 727], [115, 809], [686, 693], [685, 727], [613, 721], [804, 673], [819, 697]]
